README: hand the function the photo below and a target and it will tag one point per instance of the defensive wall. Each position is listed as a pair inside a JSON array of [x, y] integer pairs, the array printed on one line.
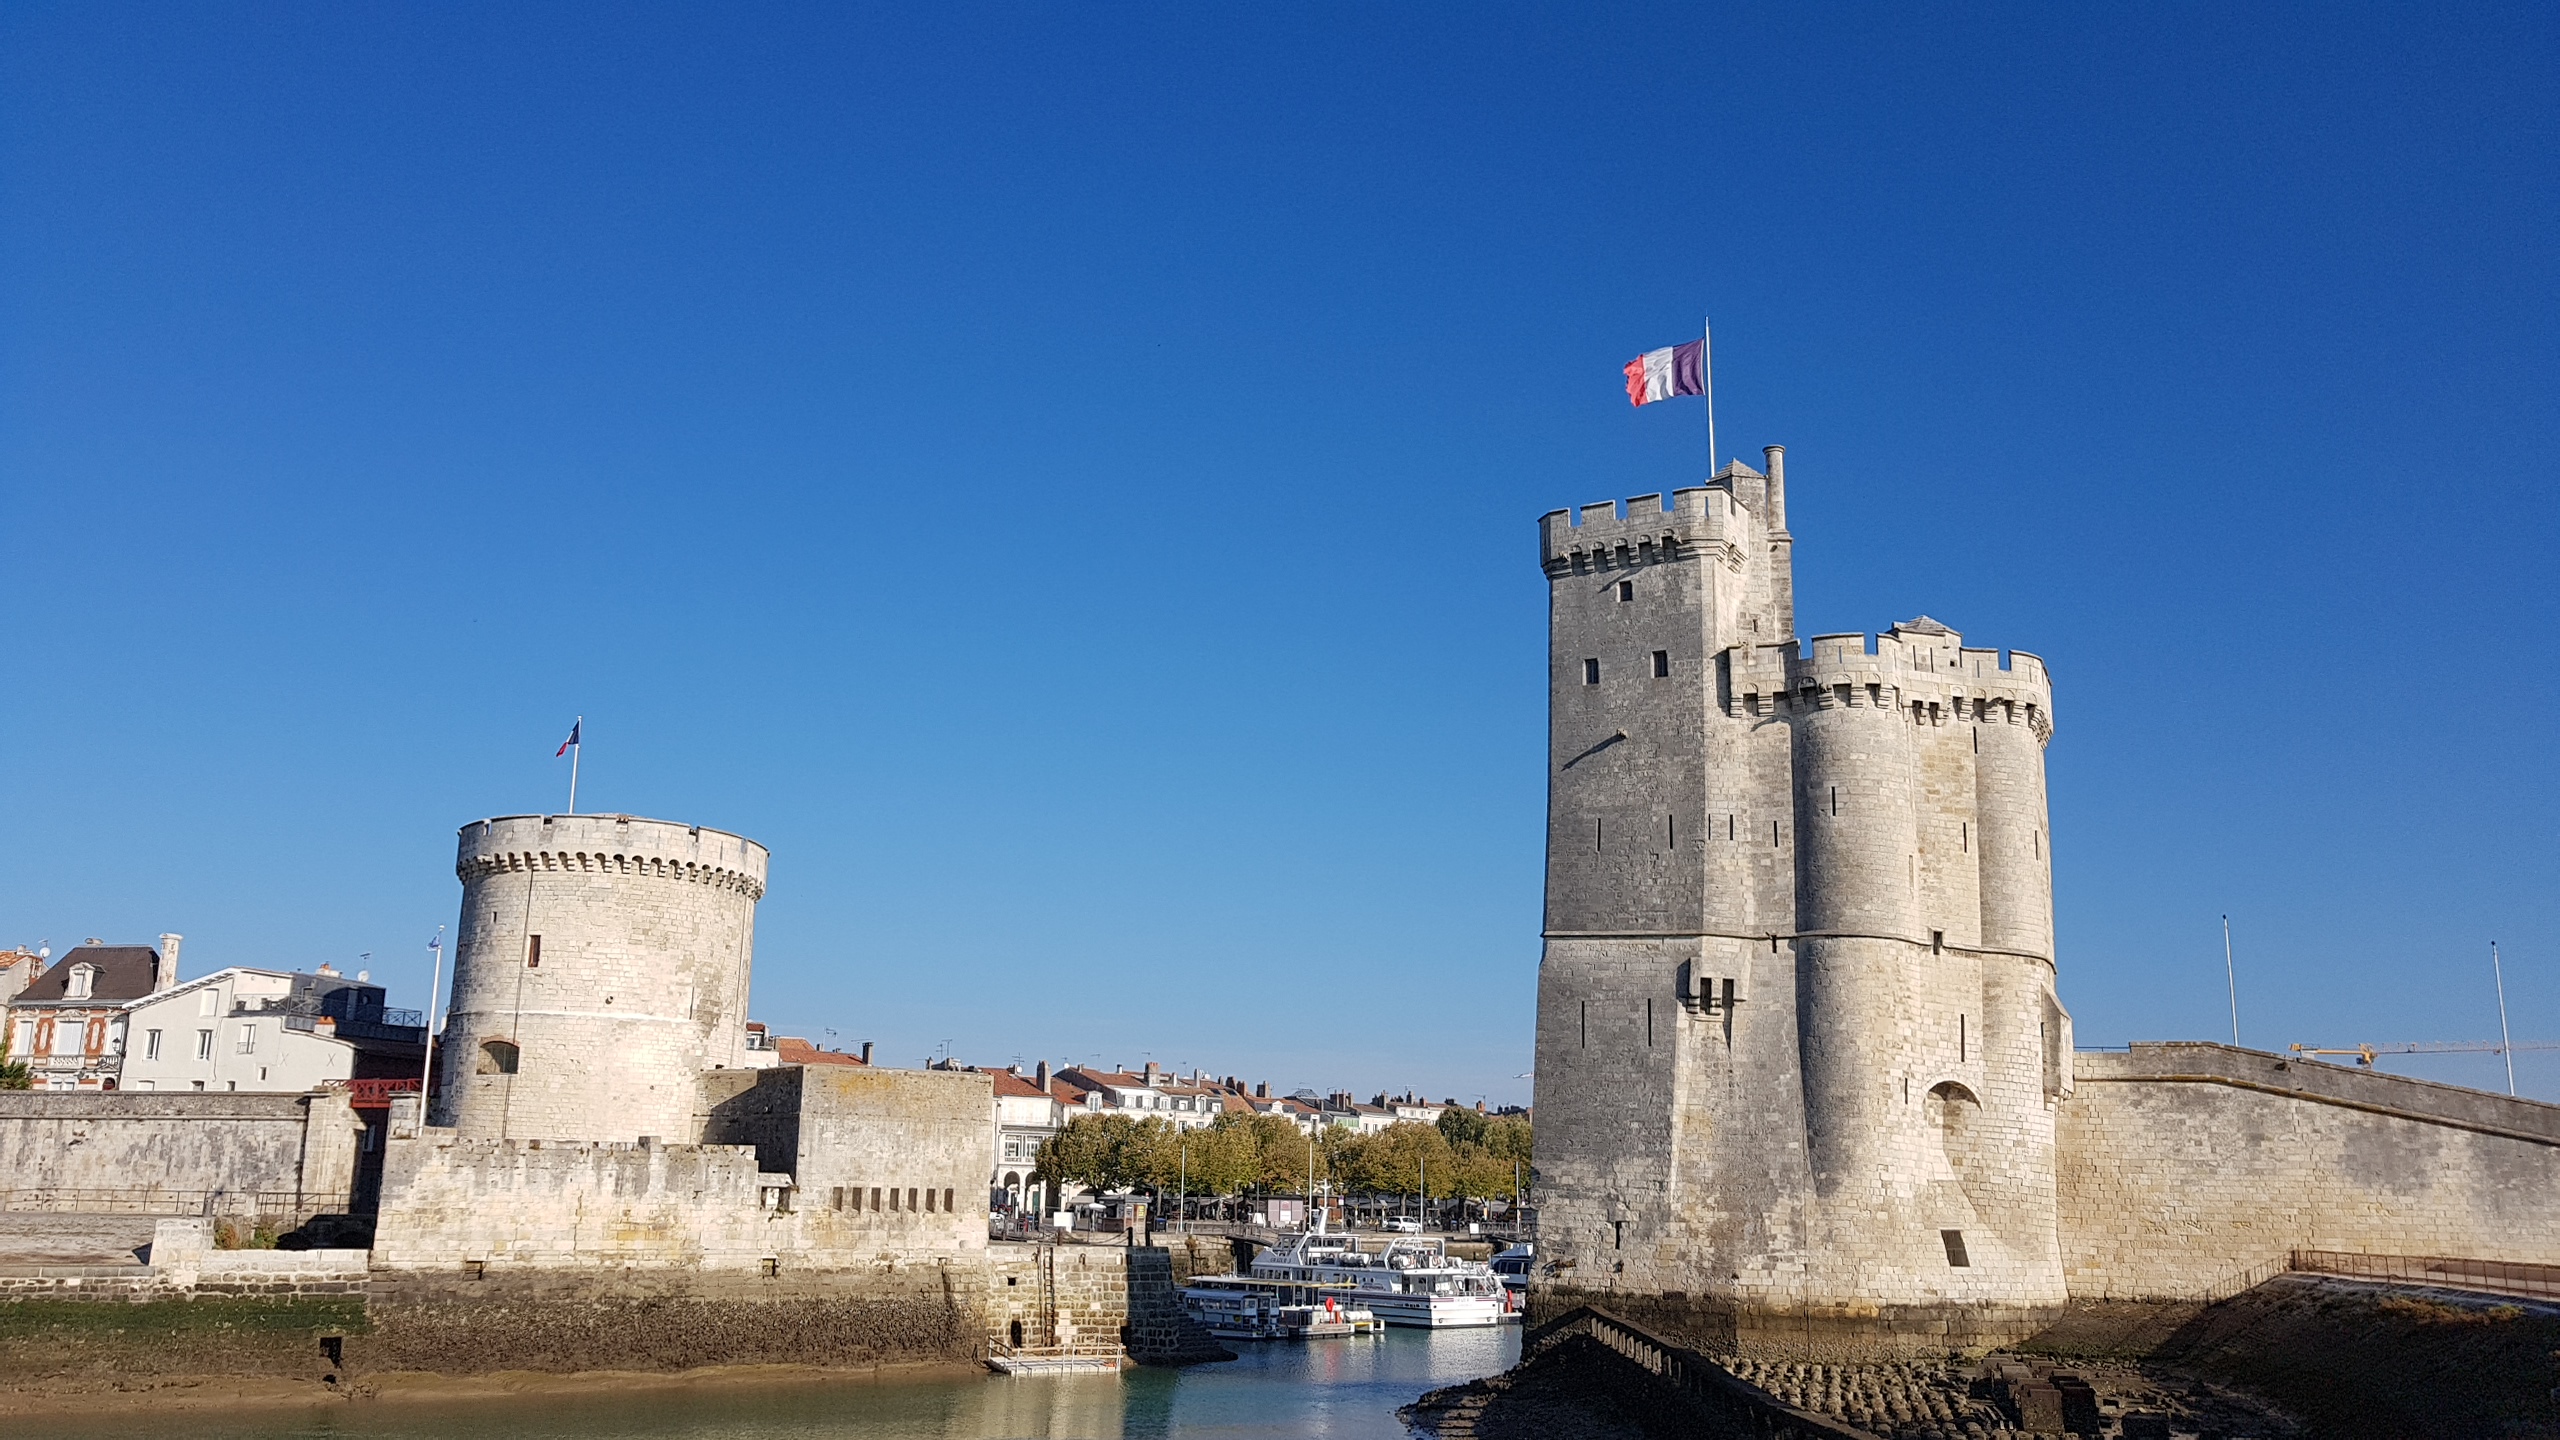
[[2188, 1169], [283, 1158], [813, 1169]]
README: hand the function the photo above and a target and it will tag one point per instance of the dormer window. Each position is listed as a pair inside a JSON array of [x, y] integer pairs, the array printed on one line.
[[83, 982]]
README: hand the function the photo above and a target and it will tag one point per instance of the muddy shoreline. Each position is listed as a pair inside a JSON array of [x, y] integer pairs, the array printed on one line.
[[106, 1397]]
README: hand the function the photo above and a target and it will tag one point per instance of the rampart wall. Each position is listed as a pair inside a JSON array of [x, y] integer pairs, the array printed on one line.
[[286, 1157], [809, 1171], [2185, 1167]]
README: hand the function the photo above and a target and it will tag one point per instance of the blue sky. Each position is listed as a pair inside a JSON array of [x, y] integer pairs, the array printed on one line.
[[1065, 479]]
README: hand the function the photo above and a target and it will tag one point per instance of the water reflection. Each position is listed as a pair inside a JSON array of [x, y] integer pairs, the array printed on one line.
[[1336, 1390]]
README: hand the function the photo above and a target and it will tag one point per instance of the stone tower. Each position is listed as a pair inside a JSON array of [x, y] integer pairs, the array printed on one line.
[[601, 966], [1798, 1049]]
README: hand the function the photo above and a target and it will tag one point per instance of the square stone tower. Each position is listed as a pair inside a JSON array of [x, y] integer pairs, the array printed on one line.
[[1798, 1048]]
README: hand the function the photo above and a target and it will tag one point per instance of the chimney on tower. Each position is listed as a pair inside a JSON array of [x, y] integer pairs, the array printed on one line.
[[165, 974], [1777, 458], [866, 1052], [1040, 1075]]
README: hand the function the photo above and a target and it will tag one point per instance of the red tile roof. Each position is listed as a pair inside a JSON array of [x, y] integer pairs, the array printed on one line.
[[795, 1051]]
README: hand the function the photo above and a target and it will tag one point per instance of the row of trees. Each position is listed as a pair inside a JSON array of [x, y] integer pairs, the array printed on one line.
[[1466, 1155]]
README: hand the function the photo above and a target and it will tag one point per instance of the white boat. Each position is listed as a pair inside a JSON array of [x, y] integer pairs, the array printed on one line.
[[1410, 1282], [1255, 1307], [1513, 1265]]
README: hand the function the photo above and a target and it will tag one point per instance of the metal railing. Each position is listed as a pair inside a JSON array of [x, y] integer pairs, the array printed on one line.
[[374, 1094], [2501, 1277], [1727, 1403]]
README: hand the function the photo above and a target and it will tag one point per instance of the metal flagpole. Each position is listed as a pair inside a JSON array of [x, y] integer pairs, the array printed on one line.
[[1707, 353], [576, 748], [2506, 1046], [427, 1062], [2231, 977]]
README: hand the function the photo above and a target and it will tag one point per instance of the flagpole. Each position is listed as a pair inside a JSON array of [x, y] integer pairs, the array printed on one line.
[[1707, 348], [2506, 1046], [576, 748], [427, 1062]]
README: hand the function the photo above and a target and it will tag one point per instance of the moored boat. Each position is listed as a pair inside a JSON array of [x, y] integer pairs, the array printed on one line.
[[1410, 1282]]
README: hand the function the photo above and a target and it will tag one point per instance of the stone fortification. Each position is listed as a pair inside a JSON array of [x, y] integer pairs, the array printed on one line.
[[806, 1170], [2187, 1169], [284, 1158], [1798, 1046], [601, 964]]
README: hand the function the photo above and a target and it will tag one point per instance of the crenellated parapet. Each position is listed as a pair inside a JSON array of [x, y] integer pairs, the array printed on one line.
[[475, 867], [1920, 668], [611, 845], [1704, 522]]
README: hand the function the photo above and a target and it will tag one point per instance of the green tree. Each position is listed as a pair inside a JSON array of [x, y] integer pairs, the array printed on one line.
[[1090, 1152], [1508, 1137], [14, 1074], [1225, 1158], [1462, 1127], [1400, 1160]]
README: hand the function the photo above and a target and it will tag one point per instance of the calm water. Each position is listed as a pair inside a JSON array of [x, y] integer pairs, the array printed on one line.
[[1336, 1388]]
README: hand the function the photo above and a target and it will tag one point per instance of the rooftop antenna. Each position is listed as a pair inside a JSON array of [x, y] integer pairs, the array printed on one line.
[[2231, 978], [2505, 1045]]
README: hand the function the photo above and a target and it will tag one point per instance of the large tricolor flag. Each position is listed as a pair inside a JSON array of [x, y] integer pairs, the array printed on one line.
[[1673, 370]]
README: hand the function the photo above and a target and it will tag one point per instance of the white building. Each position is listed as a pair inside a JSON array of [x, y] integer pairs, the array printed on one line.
[[267, 1030]]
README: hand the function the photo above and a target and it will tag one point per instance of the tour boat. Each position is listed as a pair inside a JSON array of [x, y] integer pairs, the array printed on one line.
[[1513, 1266], [1256, 1307], [1411, 1282]]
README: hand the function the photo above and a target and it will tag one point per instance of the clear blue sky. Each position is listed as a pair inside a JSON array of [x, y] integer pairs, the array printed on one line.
[[1066, 479]]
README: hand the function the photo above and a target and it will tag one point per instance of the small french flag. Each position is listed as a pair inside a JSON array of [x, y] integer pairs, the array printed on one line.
[[1673, 370], [572, 740]]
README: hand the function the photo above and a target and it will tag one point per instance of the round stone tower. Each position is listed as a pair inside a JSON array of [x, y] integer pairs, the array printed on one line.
[[601, 965]]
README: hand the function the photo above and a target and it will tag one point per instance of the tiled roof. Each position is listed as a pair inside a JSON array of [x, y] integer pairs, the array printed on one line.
[[1014, 1083], [125, 972], [795, 1051]]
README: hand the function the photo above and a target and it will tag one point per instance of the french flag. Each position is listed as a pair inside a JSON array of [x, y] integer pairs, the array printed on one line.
[[1673, 370], [572, 740]]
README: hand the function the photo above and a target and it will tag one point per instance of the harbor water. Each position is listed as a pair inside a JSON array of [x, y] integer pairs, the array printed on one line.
[[1330, 1389]]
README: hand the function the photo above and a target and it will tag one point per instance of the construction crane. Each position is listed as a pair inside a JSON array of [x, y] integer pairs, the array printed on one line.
[[2365, 1054]]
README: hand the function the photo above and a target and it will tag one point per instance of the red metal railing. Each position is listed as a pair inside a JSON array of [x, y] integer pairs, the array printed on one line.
[[375, 1094]]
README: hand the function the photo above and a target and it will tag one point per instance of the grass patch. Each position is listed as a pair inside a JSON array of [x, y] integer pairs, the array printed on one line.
[[2428, 1312], [210, 1316]]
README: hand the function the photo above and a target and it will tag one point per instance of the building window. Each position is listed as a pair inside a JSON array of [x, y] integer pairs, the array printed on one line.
[[249, 1039], [84, 982], [204, 1046], [1661, 663], [1626, 591], [533, 952], [911, 1198], [150, 1044], [1954, 1241], [946, 1200], [1591, 672], [875, 1197], [497, 1057]]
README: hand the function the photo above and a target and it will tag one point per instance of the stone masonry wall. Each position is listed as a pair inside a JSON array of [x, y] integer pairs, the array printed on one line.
[[829, 1169], [2183, 1166], [1059, 1294], [287, 1156], [647, 938]]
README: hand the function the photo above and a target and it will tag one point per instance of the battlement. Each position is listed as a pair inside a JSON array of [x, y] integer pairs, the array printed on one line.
[[1919, 664], [1601, 537], [611, 845]]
